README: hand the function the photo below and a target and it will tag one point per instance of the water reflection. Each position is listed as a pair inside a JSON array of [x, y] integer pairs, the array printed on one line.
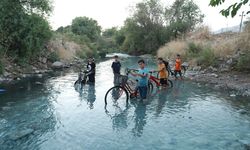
[[177, 89], [87, 93], [140, 118], [91, 96], [161, 101], [119, 117]]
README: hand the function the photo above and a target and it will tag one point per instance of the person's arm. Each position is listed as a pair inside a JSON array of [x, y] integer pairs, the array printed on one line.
[[112, 66], [144, 74]]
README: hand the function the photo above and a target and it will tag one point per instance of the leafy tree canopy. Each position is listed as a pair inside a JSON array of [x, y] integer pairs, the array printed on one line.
[[86, 26], [23, 27], [232, 9]]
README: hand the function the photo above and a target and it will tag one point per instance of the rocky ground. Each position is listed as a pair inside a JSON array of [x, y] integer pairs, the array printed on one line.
[[15, 72], [235, 82]]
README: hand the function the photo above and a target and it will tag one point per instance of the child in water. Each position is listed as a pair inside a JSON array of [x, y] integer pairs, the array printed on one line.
[[143, 79]]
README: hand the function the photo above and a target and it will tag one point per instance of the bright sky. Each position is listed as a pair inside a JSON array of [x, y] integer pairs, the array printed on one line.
[[111, 13]]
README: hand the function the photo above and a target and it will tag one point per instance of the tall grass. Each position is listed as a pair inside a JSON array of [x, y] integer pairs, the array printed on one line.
[[170, 50], [203, 48]]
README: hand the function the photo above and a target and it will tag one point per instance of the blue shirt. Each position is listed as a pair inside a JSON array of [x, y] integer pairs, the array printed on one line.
[[143, 81]]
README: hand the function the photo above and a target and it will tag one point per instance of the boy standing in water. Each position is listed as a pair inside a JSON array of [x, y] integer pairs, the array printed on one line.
[[177, 66], [91, 70], [163, 73], [116, 66], [143, 79]]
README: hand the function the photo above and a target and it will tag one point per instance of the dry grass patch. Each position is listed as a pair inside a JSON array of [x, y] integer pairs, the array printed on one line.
[[170, 50]]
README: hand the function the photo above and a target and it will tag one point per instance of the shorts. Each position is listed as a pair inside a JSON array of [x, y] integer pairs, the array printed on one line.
[[163, 81], [143, 91]]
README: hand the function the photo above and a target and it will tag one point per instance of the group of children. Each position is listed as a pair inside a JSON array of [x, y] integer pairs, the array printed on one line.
[[163, 69]]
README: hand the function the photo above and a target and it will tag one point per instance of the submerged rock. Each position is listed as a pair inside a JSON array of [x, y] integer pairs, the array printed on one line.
[[246, 93], [21, 134], [57, 65]]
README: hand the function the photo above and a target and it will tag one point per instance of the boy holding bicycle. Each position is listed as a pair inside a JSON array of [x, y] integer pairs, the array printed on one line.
[[143, 79], [163, 73]]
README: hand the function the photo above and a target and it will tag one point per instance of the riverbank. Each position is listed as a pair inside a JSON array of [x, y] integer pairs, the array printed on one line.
[[236, 83], [15, 72]]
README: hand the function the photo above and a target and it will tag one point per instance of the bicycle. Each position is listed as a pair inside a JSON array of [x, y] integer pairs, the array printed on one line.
[[156, 81], [119, 91], [123, 90], [81, 80]]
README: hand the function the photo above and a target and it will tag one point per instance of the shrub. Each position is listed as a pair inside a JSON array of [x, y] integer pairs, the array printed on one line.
[[206, 57], [243, 62], [193, 50], [53, 56], [81, 54]]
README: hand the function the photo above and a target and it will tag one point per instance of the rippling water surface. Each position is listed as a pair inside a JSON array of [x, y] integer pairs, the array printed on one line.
[[49, 114]]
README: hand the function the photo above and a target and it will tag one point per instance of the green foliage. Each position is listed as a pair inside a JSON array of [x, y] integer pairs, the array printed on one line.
[[81, 54], [243, 62], [53, 56], [152, 25], [183, 16], [85, 26], [193, 50], [102, 54], [108, 41], [23, 27], [230, 10], [120, 37], [108, 33], [144, 31], [1, 67], [206, 57]]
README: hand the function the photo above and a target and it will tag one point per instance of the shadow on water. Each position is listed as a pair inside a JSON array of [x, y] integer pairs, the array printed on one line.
[[140, 117], [87, 93]]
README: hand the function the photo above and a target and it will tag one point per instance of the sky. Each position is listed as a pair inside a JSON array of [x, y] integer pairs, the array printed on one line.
[[112, 13]]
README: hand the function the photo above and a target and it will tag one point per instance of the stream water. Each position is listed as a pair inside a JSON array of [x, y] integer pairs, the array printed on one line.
[[49, 114]]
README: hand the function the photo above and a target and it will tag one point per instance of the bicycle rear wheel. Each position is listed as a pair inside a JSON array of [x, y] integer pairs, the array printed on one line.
[[116, 95], [170, 83]]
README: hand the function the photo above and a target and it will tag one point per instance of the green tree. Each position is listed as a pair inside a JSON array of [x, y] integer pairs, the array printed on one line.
[[232, 9], [109, 32], [85, 26], [144, 31], [23, 27], [183, 16]]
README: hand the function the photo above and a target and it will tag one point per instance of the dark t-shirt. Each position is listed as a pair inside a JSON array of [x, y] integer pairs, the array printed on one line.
[[116, 66], [91, 68]]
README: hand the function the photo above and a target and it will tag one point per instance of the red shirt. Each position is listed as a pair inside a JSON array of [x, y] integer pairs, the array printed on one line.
[[178, 64]]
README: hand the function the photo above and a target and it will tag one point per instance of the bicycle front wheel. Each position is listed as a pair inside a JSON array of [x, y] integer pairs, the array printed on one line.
[[116, 95], [150, 87]]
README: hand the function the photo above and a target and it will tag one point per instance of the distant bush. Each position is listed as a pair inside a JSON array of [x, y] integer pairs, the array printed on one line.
[[53, 56], [102, 54], [243, 62], [81, 54], [206, 57], [193, 50]]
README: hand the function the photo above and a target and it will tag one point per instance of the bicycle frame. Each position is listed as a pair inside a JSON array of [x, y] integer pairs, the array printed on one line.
[[128, 88], [155, 80]]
